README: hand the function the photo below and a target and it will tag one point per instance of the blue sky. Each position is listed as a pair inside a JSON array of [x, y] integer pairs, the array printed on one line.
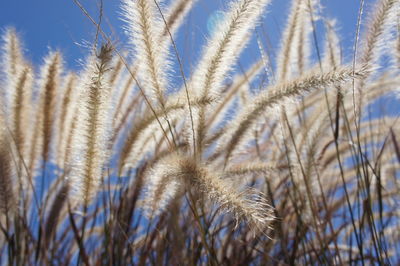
[[57, 24]]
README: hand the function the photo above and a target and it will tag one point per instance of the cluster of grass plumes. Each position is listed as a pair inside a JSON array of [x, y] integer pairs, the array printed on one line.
[[282, 164]]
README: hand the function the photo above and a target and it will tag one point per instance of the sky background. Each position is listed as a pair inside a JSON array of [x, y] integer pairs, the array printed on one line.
[[60, 24]]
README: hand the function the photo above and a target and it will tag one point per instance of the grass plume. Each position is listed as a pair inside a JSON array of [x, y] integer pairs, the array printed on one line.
[[278, 155]]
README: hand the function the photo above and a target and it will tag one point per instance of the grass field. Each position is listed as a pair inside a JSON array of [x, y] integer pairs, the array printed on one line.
[[138, 159]]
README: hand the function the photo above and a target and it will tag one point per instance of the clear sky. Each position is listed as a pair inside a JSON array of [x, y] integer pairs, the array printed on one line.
[[60, 24]]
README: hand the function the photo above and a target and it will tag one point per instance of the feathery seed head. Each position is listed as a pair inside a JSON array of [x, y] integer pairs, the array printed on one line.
[[91, 135], [7, 197]]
